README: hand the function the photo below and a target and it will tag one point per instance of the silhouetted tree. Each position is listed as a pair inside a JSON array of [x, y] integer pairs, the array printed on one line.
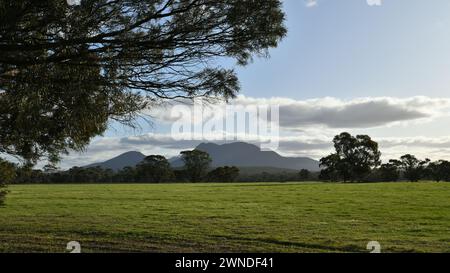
[[196, 164], [223, 174], [354, 159], [413, 168], [390, 172], [155, 169], [304, 174], [439, 170], [67, 70], [126, 175]]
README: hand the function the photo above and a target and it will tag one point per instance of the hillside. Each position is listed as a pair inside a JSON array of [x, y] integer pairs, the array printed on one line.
[[239, 154], [243, 154]]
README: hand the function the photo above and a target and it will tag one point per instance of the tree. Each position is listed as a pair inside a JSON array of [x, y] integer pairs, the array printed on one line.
[[413, 168], [354, 159], [390, 172], [126, 175], [439, 170], [332, 171], [7, 174], [155, 169], [304, 174], [223, 174], [67, 70], [196, 164]]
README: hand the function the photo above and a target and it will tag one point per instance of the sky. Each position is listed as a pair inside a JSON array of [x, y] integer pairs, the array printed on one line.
[[381, 70]]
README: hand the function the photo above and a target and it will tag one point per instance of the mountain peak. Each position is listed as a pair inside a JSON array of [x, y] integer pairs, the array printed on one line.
[[242, 154], [239, 154], [128, 159]]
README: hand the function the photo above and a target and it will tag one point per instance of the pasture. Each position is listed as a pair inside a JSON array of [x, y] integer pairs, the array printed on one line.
[[255, 217]]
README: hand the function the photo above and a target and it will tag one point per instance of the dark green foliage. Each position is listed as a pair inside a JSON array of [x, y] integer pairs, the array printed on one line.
[[196, 164], [154, 169], [66, 70], [304, 175], [439, 170], [126, 175], [390, 172], [354, 159], [413, 168], [7, 174], [223, 174]]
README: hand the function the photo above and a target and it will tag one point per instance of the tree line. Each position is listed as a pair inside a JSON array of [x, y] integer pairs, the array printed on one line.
[[153, 169], [357, 159]]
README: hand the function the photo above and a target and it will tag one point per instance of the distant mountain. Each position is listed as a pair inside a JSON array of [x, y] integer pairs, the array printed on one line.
[[240, 154], [243, 154], [129, 159]]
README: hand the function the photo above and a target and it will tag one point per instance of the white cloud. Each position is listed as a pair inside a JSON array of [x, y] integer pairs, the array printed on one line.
[[314, 146], [335, 113], [307, 128], [311, 3]]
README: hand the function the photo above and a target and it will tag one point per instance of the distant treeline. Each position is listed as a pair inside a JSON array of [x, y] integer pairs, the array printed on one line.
[[357, 159], [156, 169]]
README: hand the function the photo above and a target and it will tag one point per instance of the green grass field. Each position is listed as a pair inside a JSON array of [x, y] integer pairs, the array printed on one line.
[[271, 217]]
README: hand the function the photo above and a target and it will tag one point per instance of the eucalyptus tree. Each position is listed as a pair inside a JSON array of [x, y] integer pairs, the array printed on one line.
[[68, 68]]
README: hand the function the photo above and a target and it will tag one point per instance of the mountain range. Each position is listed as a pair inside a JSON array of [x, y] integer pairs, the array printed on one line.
[[239, 154]]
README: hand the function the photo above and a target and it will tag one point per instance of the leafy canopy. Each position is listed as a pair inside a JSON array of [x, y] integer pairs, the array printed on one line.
[[67, 70], [354, 159], [196, 164]]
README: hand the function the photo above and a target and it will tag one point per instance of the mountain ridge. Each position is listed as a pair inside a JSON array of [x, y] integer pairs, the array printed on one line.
[[239, 154]]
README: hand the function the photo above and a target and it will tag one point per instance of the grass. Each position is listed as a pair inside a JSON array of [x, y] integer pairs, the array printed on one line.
[[263, 217]]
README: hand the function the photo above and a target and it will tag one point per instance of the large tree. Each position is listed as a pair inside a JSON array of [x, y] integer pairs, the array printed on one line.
[[154, 169], [196, 164], [439, 170], [354, 158], [390, 172], [413, 168], [66, 70]]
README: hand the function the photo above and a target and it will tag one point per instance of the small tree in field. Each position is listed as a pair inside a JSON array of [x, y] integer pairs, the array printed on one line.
[[390, 172], [413, 168], [304, 174], [354, 159], [196, 164], [7, 174], [155, 169], [439, 170]]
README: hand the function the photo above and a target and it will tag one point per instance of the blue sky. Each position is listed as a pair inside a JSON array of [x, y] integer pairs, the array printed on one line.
[[349, 49], [342, 64]]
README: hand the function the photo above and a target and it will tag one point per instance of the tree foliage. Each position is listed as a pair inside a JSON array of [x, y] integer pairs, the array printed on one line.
[[354, 158], [155, 169], [7, 174], [304, 174], [66, 70], [390, 172], [223, 174], [196, 164], [413, 168], [439, 170]]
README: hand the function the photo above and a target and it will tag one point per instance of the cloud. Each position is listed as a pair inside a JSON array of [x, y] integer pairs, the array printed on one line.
[[331, 112], [312, 145], [307, 128], [310, 3]]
